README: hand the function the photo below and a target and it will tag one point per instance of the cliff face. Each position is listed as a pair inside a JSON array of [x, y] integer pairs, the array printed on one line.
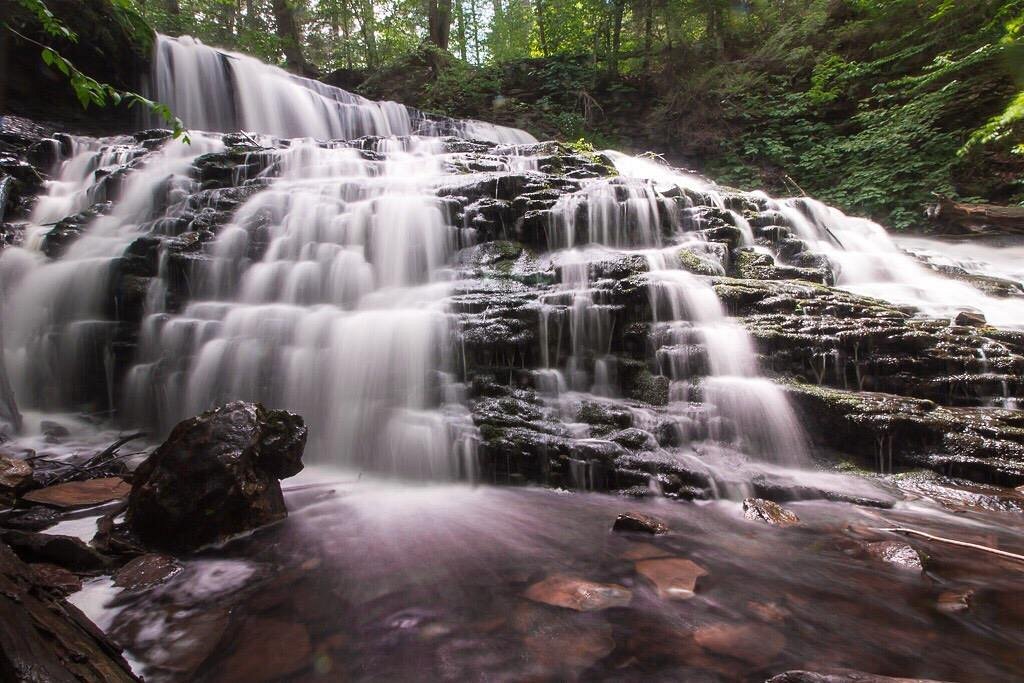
[[113, 47]]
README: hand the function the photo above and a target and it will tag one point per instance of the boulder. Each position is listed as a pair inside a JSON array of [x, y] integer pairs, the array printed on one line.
[[636, 521], [215, 476], [15, 476], [970, 319]]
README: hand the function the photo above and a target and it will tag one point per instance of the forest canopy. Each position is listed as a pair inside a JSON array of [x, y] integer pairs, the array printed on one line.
[[877, 106]]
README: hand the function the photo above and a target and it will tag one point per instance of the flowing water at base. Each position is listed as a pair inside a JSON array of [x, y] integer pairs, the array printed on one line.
[[368, 581]]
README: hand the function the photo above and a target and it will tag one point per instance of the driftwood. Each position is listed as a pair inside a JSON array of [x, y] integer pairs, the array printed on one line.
[[46, 639], [976, 220]]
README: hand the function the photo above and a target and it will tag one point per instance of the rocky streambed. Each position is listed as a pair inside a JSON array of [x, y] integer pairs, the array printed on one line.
[[764, 388]]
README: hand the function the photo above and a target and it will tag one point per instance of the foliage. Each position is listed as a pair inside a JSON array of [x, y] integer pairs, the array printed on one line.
[[87, 89], [874, 105]]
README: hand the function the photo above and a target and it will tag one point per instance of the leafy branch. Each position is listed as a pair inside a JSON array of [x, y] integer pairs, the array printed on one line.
[[87, 89]]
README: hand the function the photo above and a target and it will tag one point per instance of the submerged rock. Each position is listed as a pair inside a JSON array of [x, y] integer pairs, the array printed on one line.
[[578, 594], [675, 578], [896, 553], [215, 476], [769, 512], [752, 643]]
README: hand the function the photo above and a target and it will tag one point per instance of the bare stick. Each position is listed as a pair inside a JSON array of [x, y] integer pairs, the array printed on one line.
[[950, 541]]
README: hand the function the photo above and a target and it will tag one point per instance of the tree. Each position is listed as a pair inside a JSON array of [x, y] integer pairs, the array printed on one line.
[[290, 35], [439, 22]]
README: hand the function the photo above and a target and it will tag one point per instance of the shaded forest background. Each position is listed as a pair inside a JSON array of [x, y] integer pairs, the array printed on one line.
[[876, 106]]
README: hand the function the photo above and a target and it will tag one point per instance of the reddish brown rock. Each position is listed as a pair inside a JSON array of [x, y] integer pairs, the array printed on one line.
[[675, 578], [76, 494], [751, 643], [644, 551], [578, 594]]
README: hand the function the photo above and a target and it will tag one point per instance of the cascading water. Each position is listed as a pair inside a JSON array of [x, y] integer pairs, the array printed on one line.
[[216, 90], [326, 287]]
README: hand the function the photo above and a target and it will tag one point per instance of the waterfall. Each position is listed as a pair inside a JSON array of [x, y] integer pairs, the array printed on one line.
[[316, 271], [218, 90]]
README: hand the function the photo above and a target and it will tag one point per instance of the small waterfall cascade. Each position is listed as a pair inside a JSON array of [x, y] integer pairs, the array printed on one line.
[[218, 90], [871, 262], [706, 356]]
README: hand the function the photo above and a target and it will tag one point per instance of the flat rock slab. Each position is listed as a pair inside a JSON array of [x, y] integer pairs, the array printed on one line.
[[146, 571], [674, 577], [76, 494], [578, 594]]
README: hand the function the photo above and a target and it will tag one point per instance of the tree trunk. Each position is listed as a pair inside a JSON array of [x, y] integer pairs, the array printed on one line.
[[252, 19], [538, 7], [291, 38], [460, 13], [439, 22], [648, 33], [619, 8], [476, 33], [368, 27]]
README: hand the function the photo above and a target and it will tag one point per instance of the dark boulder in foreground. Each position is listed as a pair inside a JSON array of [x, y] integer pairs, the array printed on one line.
[[215, 476]]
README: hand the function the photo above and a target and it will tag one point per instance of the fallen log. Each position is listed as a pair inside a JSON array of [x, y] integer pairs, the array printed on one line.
[[977, 220]]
